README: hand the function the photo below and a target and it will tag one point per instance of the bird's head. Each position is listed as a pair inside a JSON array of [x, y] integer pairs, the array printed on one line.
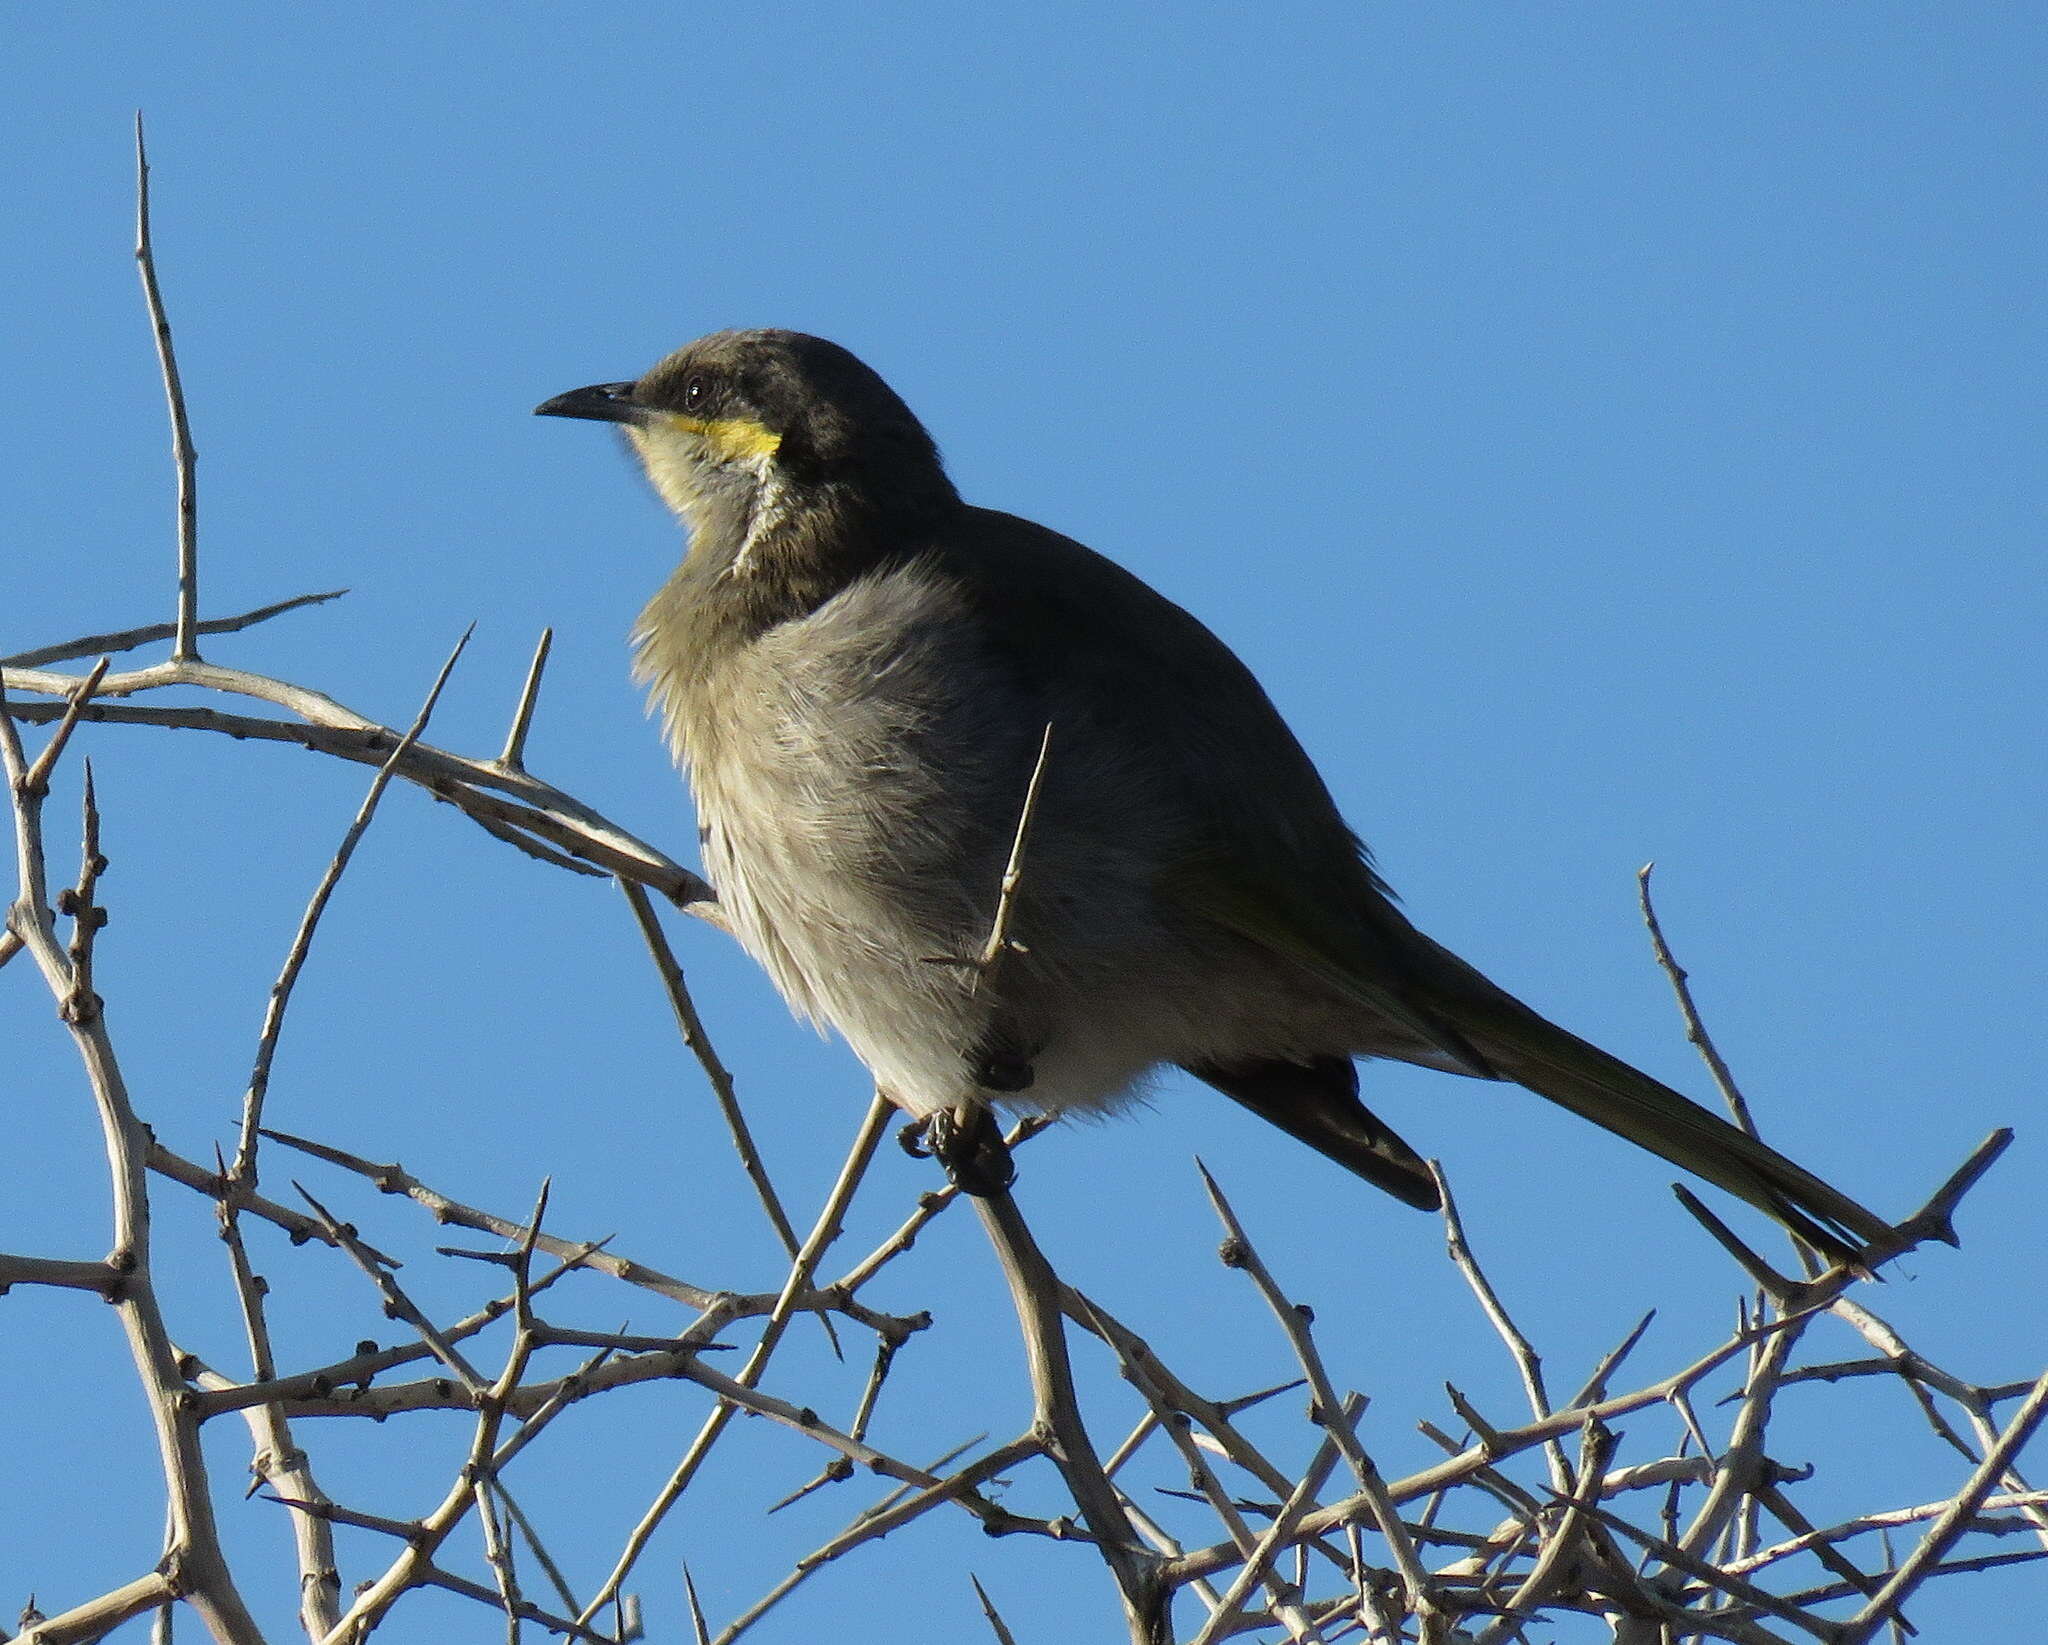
[[742, 424]]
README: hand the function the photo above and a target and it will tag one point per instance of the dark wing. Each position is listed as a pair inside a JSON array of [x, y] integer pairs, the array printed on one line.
[[1273, 861]]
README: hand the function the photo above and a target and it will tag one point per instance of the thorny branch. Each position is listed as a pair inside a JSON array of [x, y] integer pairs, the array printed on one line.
[[1627, 1507], [1560, 1549]]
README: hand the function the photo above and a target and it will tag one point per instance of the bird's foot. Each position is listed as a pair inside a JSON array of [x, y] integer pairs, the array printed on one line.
[[968, 1144]]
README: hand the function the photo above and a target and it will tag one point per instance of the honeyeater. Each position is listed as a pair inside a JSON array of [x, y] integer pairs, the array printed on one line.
[[858, 670]]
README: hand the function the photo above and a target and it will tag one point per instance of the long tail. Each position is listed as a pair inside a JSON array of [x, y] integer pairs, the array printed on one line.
[[1532, 1051]]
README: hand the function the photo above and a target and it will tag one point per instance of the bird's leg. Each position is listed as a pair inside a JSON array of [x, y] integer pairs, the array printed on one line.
[[965, 1138], [1001, 1060], [967, 1142]]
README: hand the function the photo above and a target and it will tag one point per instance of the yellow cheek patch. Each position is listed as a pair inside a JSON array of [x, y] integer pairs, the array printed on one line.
[[731, 439]]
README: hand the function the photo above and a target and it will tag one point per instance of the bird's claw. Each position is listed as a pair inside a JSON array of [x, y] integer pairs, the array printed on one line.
[[969, 1146]]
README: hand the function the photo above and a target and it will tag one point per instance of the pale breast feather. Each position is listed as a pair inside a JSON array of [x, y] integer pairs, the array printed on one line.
[[833, 841]]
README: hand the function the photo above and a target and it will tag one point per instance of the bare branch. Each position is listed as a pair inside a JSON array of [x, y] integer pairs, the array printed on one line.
[[70, 1276], [1518, 1346], [296, 1224], [395, 1179], [472, 786], [193, 1554], [998, 942], [823, 1233], [185, 648], [1935, 1219], [96, 1618], [1238, 1252], [1276, 1537], [1595, 1389], [396, 1301], [127, 639], [1695, 1029], [1035, 1293], [1955, 1519], [38, 776], [691, 1027], [279, 1462], [243, 1172]]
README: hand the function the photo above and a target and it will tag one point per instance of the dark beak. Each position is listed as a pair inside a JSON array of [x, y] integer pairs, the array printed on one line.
[[599, 403]]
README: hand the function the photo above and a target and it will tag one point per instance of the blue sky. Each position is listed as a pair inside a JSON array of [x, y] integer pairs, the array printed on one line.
[[1611, 432]]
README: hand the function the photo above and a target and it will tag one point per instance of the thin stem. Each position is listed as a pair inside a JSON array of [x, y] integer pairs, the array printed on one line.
[[1695, 1029], [127, 639], [243, 1173], [185, 647], [691, 1027], [1035, 1291]]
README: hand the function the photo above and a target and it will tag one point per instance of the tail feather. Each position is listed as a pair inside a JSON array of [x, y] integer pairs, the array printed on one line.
[[1532, 1051], [1417, 1001]]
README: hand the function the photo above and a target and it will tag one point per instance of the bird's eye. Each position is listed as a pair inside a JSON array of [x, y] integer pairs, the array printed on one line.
[[695, 392]]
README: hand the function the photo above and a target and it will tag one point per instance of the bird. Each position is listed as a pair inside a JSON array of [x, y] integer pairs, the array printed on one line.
[[910, 725]]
